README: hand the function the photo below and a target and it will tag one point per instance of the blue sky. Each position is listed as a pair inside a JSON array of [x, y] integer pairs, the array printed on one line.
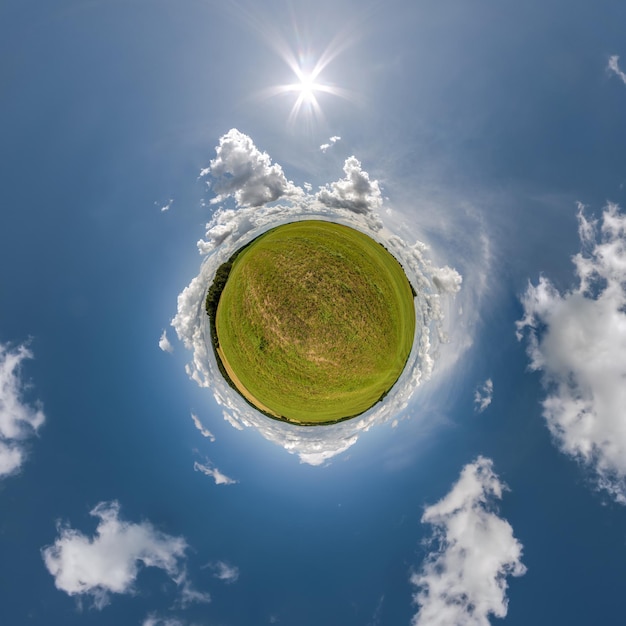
[[493, 133]]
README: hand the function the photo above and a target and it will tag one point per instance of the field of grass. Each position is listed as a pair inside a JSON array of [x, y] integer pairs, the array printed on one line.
[[315, 322]]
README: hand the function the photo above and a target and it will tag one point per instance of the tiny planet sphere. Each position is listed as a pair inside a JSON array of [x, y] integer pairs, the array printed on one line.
[[312, 322]]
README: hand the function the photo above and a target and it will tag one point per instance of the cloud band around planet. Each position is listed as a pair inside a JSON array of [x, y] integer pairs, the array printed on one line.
[[254, 195]]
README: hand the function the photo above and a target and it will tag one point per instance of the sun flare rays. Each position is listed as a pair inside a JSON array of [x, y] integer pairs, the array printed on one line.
[[307, 68]]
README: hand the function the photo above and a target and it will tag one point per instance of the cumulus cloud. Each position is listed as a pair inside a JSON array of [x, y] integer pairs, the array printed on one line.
[[331, 142], [463, 581], [205, 432], [447, 280], [110, 561], [19, 419], [224, 571], [577, 340], [352, 201], [356, 192], [164, 343], [613, 66], [209, 470], [483, 396], [241, 170]]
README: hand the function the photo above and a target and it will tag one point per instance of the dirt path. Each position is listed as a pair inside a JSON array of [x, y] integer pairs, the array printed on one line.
[[242, 390]]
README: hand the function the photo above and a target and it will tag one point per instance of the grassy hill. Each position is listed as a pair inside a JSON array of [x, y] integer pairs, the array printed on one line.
[[314, 323]]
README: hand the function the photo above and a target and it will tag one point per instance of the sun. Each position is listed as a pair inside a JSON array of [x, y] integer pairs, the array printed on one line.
[[307, 58], [309, 84], [307, 88]]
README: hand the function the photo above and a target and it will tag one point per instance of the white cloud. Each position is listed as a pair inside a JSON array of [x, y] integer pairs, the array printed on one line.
[[109, 562], [356, 192], [331, 142], [11, 458], [208, 470], [241, 170], [232, 421], [205, 432], [483, 396], [164, 343], [19, 420], [447, 280], [189, 595], [614, 67], [168, 206], [578, 341], [224, 571], [463, 581]]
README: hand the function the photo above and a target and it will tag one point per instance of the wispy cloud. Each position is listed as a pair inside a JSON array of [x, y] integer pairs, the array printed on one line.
[[613, 66], [333, 140], [188, 594], [578, 341], [205, 432], [19, 419], [209, 470], [109, 562], [153, 619], [167, 206], [376, 617], [463, 581], [164, 343], [483, 396], [224, 571]]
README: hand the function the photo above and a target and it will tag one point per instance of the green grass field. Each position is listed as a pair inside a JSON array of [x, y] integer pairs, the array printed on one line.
[[315, 322]]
